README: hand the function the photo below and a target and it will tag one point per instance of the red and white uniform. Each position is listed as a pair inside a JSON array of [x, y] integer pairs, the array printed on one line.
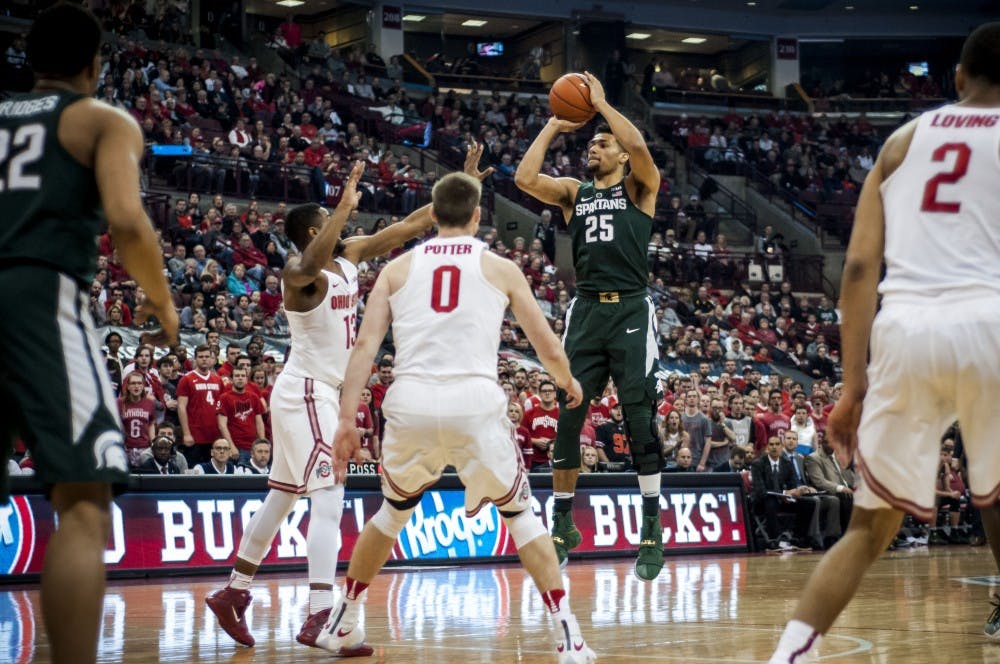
[[445, 407], [241, 410], [941, 303], [137, 416], [203, 392], [305, 401]]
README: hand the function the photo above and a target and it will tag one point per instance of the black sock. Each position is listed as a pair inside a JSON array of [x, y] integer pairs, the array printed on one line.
[[651, 506], [563, 505]]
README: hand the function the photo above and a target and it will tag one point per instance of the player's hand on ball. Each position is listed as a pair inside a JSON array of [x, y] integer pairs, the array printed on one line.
[[472, 156], [352, 196], [574, 394], [564, 125], [596, 88]]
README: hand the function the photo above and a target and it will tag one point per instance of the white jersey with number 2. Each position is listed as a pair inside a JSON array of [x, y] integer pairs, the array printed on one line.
[[447, 316], [942, 207]]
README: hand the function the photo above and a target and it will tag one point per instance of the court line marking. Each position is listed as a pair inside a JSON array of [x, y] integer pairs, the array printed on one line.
[[860, 646]]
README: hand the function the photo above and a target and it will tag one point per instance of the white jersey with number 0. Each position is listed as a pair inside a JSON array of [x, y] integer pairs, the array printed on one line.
[[447, 316], [323, 337], [942, 207]]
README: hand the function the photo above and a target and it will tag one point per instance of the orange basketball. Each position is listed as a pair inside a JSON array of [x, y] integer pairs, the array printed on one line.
[[569, 98]]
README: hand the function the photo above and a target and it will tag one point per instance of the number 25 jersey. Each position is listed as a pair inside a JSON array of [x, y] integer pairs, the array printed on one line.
[[942, 207], [446, 317], [50, 202]]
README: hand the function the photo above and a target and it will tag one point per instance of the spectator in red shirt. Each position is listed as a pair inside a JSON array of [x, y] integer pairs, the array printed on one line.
[[369, 441], [118, 299], [772, 423], [240, 417], [291, 32], [138, 413], [225, 370], [250, 257], [270, 297], [541, 423], [380, 386], [521, 436], [198, 395]]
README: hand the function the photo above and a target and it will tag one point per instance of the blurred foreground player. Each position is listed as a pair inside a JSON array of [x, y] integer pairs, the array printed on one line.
[[935, 178], [446, 301], [65, 158]]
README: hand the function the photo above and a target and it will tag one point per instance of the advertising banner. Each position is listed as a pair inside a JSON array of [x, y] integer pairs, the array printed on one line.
[[173, 532]]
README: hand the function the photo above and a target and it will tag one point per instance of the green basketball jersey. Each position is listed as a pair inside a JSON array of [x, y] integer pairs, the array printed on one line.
[[610, 237], [50, 203]]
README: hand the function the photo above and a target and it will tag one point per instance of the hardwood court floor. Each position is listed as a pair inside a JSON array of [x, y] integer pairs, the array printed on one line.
[[922, 605]]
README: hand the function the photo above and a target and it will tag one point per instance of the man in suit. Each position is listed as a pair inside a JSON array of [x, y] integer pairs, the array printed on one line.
[[774, 488], [737, 462], [824, 472], [825, 529], [160, 463]]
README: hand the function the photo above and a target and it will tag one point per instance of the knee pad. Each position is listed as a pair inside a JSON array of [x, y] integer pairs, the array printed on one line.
[[390, 520], [644, 439], [524, 527]]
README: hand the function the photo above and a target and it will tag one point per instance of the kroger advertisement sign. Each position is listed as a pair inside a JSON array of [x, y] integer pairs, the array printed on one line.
[[167, 531]]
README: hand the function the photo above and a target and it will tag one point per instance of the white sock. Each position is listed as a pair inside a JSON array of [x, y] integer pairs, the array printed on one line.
[[240, 581], [649, 485], [562, 494], [797, 639], [320, 600]]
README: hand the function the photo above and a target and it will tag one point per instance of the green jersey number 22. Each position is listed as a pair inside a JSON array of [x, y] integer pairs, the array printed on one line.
[[32, 136]]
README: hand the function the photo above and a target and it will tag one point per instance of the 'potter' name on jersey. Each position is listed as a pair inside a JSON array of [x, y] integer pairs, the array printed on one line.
[[344, 301], [448, 249], [599, 204]]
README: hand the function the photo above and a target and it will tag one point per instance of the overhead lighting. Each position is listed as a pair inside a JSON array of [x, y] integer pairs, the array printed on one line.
[[291, 3], [694, 40], [474, 23], [849, 8], [751, 4], [416, 18], [638, 35], [914, 8]]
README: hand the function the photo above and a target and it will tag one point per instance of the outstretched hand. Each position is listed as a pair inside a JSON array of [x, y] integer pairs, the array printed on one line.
[[166, 315], [346, 447], [472, 156], [842, 427], [352, 196], [596, 89]]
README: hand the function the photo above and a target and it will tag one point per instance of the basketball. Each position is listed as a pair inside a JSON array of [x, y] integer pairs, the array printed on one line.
[[569, 98]]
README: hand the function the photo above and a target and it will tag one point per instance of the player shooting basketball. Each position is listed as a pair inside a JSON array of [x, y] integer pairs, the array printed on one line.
[[610, 325]]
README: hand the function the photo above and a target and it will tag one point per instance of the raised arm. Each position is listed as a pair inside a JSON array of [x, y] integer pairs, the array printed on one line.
[[358, 249], [346, 440], [534, 325], [644, 171], [116, 167], [300, 271], [366, 247], [529, 177]]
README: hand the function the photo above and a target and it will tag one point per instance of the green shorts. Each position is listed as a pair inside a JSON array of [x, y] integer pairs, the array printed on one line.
[[54, 388], [616, 339]]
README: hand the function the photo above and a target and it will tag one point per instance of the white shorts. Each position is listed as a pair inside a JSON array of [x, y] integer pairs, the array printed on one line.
[[930, 365], [462, 424], [304, 414]]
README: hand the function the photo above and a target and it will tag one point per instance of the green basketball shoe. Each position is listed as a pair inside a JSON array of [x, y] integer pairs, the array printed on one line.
[[565, 536], [650, 560]]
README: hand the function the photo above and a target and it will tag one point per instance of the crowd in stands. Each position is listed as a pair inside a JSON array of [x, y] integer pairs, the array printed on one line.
[[881, 85]]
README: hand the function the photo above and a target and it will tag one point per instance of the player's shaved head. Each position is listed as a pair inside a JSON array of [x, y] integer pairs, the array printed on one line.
[[63, 41], [981, 53]]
